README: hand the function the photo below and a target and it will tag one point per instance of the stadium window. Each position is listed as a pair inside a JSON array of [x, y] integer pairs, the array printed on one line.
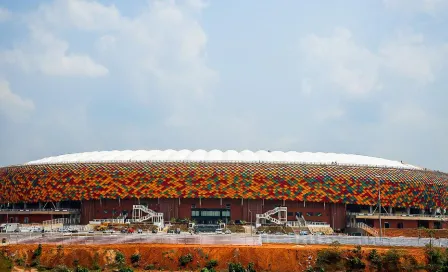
[[290, 213], [227, 206], [26, 220], [318, 214], [400, 225], [309, 214], [194, 213], [105, 211], [225, 213], [193, 206], [386, 225], [211, 213]]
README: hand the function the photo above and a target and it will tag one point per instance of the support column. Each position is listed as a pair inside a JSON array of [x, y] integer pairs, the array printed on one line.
[[390, 210], [408, 210], [422, 211], [370, 209]]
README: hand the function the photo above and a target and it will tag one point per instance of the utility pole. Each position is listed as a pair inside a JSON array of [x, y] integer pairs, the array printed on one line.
[[251, 227], [379, 206]]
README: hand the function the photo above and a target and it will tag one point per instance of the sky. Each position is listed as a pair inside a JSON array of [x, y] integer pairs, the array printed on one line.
[[357, 77]]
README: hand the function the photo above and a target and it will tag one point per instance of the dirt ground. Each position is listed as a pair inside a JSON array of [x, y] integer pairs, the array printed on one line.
[[443, 233], [269, 257]]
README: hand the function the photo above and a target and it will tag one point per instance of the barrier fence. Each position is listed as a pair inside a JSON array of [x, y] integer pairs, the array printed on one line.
[[353, 240], [214, 239], [79, 238]]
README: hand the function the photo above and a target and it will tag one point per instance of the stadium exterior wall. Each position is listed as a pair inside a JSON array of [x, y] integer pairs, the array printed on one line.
[[105, 189], [298, 182]]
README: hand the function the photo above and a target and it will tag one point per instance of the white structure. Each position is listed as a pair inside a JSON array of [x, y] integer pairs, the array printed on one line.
[[139, 210], [282, 218], [222, 156]]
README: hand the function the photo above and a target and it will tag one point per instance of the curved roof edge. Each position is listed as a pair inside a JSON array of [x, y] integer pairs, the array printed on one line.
[[222, 156]]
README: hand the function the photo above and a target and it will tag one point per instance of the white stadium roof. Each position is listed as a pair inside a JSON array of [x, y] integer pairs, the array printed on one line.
[[221, 156]]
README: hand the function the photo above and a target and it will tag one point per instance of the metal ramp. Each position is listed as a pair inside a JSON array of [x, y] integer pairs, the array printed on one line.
[[138, 216], [280, 220]]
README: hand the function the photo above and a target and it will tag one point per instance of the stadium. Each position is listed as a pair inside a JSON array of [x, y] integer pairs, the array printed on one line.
[[338, 191]]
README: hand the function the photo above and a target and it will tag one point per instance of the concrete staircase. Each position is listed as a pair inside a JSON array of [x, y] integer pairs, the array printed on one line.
[[369, 230], [138, 217], [281, 220]]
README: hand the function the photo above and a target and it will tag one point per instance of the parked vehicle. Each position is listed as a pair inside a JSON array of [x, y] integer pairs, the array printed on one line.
[[228, 232], [218, 231], [304, 232], [139, 231]]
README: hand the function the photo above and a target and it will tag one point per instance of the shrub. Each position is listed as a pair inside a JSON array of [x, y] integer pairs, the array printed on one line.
[[81, 269], [150, 267], [355, 264], [20, 262], [409, 263], [330, 259], [135, 258], [119, 258], [125, 269], [37, 252], [35, 263], [251, 267], [391, 261], [185, 259], [5, 263], [236, 267], [375, 259], [61, 268], [95, 265], [211, 264], [435, 258]]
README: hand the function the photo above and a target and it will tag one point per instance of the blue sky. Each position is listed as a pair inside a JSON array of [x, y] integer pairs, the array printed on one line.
[[366, 77]]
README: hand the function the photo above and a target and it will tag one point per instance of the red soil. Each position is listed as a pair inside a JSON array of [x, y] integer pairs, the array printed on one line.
[[268, 257], [442, 233]]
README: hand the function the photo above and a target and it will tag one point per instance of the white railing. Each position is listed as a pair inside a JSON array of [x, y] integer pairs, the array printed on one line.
[[56, 221], [320, 224], [282, 219], [40, 210], [365, 227], [400, 214], [138, 217], [111, 220]]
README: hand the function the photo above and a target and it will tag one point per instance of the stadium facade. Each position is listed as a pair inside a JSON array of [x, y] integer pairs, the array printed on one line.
[[207, 186]]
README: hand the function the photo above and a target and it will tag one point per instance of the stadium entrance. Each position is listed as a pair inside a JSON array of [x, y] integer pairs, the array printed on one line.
[[210, 216]]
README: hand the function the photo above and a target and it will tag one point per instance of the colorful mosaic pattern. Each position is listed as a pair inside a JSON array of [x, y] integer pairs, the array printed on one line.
[[316, 183]]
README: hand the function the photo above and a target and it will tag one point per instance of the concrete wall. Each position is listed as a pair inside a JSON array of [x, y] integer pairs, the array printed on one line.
[[246, 209]]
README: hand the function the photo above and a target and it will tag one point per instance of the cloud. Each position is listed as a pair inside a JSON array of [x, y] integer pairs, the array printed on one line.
[[49, 55], [163, 47], [409, 56], [431, 7], [355, 69], [342, 61], [12, 105], [5, 14]]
